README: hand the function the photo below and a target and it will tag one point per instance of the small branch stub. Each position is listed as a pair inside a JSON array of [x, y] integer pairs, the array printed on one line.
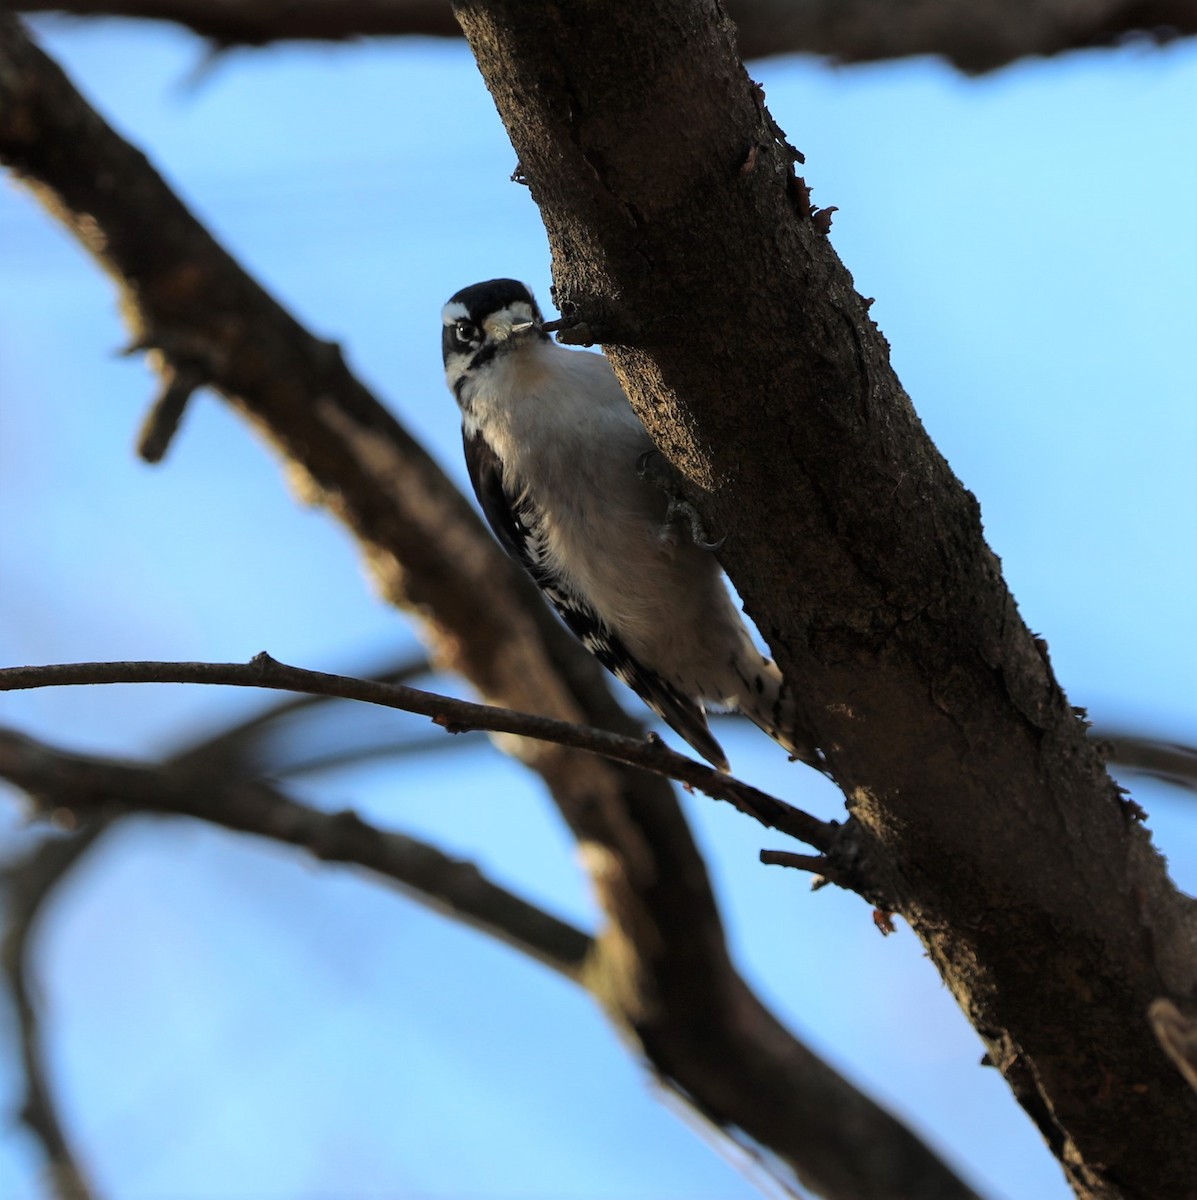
[[179, 384], [1177, 1035]]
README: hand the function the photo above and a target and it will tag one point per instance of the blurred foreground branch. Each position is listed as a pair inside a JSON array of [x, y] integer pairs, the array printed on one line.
[[1169, 762], [974, 35], [240, 746], [27, 884], [103, 788]]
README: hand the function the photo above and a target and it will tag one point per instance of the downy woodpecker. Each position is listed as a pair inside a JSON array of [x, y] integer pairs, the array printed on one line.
[[555, 454]]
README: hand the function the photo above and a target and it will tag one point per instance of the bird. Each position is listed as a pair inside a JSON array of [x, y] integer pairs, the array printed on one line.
[[561, 466]]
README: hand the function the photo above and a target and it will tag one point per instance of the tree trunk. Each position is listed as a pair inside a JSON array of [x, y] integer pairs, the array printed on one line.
[[684, 243]]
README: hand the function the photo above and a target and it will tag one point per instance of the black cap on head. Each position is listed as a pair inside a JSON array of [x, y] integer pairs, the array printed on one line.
[[482, 299]]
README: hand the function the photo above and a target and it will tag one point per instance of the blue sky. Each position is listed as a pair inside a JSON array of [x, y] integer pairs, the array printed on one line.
[[229, 1022]]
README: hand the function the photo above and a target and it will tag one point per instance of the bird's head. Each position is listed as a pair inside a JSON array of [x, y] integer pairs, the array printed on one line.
[[483, 321]]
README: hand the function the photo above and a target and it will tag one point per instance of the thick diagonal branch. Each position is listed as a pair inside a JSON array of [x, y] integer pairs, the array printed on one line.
[[682, 239], [663, 947]]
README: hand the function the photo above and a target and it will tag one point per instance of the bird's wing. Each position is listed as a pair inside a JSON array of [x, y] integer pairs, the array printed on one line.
[[515, 523]]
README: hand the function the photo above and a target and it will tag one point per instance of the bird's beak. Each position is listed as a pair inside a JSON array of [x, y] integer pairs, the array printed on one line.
[[501, 329]]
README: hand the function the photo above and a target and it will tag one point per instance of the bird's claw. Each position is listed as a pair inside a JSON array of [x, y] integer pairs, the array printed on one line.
[[653, 467], [647, 472], [698, 533]]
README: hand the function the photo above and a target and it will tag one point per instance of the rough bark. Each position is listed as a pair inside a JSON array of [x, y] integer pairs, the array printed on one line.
[[682, 241], [974, 35], [660, 964]]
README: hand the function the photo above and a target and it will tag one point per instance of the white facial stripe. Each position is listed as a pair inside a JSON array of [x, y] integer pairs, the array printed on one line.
[[454, 311], [454, 369]]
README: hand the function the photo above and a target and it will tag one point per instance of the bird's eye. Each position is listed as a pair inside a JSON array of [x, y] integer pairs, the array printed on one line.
[[465, 332]]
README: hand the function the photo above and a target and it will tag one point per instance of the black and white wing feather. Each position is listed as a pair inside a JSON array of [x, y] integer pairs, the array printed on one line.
[[515, 522]]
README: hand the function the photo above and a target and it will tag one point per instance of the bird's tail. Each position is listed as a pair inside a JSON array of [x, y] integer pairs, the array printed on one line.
[[767, 701]]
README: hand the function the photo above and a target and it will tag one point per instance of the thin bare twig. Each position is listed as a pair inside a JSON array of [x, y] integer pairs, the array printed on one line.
[[238, 742], [1169, 762], [364, 752], [27, 883], [801, 862], [454, 715]]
